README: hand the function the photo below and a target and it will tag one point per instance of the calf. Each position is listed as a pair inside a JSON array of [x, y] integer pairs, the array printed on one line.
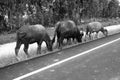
[[95, 27]]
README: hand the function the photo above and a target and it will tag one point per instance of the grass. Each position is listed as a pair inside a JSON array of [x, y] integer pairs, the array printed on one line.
[[7, 38]]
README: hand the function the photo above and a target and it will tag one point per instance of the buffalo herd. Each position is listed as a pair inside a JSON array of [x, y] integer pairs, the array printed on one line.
[[66, 29]]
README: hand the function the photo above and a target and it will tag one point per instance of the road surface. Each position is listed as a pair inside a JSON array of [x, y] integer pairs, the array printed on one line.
[[95, 60]]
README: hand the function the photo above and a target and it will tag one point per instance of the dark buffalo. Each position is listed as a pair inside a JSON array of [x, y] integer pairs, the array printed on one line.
[[65, 30], [95, 27], [29, 34]]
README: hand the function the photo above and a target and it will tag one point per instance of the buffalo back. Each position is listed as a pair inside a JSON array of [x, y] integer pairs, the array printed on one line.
[[94, 26]]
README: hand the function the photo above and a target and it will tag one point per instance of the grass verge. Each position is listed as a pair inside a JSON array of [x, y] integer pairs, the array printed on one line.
[[7, 38]]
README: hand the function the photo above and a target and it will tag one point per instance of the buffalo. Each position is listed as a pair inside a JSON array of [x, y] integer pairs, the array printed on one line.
[[29, 34], [95, 27], [66, 29]]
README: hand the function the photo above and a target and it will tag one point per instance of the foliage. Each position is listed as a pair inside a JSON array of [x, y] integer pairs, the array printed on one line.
[[48, 12]]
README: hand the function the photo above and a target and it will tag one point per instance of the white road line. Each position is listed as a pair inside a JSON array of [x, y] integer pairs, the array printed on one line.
[[62, 61]]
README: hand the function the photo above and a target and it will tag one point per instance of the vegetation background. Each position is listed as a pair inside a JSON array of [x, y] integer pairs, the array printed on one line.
[[15, 13]]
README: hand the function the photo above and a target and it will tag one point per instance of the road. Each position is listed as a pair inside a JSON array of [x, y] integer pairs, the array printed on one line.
[[91, 63]]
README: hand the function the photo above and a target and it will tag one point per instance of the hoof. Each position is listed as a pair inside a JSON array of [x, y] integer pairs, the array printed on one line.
[[85, 40], [60, 48], [28, 56], [69, 43], [44, 51], [38, 53], [17, 58]]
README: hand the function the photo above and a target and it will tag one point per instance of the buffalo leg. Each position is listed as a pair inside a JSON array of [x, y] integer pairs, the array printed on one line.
[[26, 49], [90, 36], [60, 42], [69, 41], [86, 35], [39, 47], [18, 44], [96, 36]]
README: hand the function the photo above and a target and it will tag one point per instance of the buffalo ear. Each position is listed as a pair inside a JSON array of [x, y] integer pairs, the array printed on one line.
[[81, 32], [21, 35], [53, 40], [106, 31]]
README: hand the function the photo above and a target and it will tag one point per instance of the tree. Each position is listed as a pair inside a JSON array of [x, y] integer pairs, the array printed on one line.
[[112, 9]]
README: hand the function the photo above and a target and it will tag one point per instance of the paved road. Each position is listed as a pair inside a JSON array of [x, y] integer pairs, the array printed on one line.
[[100, 64]]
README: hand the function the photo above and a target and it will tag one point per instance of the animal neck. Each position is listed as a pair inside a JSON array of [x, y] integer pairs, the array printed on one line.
[[47, 38], [104, 31], [48, 42]]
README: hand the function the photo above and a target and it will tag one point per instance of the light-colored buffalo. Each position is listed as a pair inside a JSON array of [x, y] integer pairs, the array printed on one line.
[[95, 27]]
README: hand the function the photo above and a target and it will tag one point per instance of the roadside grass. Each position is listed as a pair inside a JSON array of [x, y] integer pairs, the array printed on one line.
[[7, 38], [105, 22]]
